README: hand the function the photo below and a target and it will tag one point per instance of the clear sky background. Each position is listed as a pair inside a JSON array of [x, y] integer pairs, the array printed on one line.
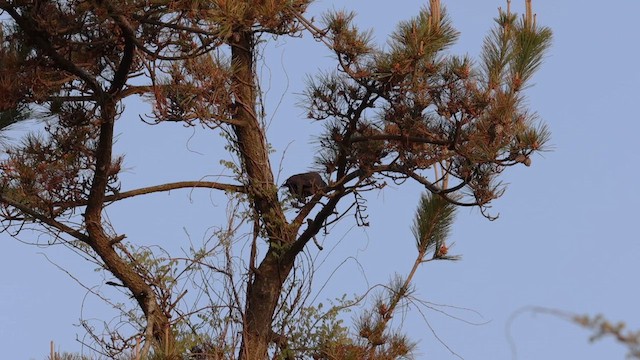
[[566, 238]]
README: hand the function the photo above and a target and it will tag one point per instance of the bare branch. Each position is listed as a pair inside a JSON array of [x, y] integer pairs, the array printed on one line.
[[174, 186], [44, 219], [161, 188]]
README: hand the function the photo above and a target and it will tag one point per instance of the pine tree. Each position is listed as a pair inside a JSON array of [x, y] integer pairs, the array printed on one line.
[[405, 111]]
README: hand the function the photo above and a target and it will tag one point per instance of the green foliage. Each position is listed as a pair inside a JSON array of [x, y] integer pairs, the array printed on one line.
[[73, 356], [412, 106], [432, 224], [69, 356], [317, 328], [375, 336], [13, 116], [516, 47], [347, 39], [420, 38]]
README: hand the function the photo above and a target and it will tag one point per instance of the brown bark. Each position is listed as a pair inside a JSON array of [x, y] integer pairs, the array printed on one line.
[[101, 243], [96, 236], [264, 291]]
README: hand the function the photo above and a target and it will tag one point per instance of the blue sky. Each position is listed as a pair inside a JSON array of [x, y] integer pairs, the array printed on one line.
[[565, 238]]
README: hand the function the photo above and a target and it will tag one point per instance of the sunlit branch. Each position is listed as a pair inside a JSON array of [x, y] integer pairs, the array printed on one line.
[[314, 30], [162, 188]]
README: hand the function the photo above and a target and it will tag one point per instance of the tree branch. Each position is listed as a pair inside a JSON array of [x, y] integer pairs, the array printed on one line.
[[429, 185], [412, 139], [161, 188], [120, 77], [42, 39], [313, 227], [176, 185], [44, 219]]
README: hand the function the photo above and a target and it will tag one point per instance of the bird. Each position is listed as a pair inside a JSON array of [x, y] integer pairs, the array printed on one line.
[[304, 185]]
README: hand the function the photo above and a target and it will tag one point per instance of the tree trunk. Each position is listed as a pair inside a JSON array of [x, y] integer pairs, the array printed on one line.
[[264, 291], [262, 299], [102, 244]]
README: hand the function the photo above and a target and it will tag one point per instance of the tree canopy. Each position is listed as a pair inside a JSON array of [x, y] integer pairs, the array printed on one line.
[[404, 111]]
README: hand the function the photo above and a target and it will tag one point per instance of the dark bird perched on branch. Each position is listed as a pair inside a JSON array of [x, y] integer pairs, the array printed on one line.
[[304, 185]]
